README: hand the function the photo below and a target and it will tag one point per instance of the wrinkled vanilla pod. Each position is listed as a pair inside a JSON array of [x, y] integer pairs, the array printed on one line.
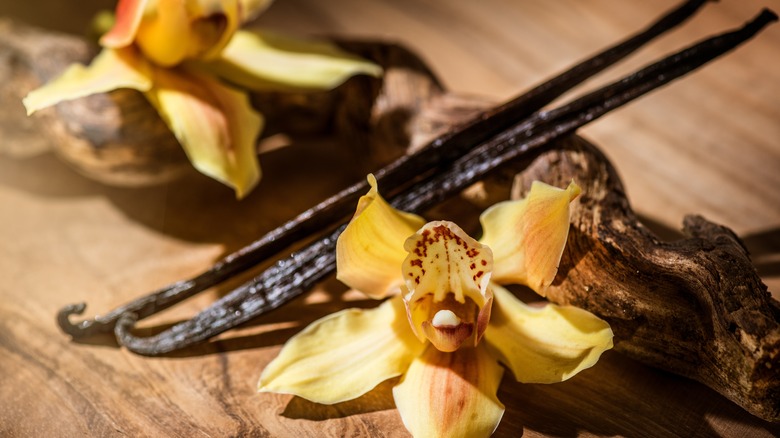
[[295, 274], [438, 153]]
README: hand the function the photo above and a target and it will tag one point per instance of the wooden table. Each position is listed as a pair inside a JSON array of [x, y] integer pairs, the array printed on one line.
[[709, 144]]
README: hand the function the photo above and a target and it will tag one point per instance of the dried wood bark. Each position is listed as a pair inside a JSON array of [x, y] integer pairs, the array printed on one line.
[[695, 307]]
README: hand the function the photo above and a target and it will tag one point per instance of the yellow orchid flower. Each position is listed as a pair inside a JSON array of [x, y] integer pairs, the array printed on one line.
[[188, 57], [449, 322]]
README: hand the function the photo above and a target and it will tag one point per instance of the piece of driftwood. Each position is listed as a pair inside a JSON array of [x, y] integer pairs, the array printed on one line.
[[694, 307]]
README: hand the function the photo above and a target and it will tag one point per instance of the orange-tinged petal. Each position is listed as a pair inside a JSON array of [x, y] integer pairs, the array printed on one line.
[[370, 251], [528, 236], [215, 124], [451, 394], [545, 344], [128, 17], [111, 69], [344, 355], [266, 61]]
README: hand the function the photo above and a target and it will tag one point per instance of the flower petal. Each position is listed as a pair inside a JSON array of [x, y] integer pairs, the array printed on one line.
[[451, 394], [443, 259], [128, 18], [266, 61], [214, 123], [111, 69], [163, 36], [528, 236], [344, 355], [370, 251], [177, 30], [548, 344]]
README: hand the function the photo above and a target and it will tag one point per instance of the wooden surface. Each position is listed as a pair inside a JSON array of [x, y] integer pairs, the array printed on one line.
[[709, 144]]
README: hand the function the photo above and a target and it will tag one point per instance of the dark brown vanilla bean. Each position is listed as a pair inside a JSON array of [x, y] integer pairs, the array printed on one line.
[[439, 152], [294, 275]]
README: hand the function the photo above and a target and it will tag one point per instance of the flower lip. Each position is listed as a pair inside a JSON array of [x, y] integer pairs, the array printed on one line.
[[447, 275], [450, 338]]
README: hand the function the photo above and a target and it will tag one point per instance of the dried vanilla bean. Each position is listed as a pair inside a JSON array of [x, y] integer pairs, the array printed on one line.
[[439, 152], [295, 274]]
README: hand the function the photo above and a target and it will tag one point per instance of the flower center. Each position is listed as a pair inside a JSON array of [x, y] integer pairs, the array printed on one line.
[[448, 296], [445, 318]]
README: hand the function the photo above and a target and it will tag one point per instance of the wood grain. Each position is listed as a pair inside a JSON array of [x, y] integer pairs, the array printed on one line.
[[707, 145]]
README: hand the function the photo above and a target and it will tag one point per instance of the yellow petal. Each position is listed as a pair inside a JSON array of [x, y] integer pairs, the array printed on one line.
[[370, 251], [451, 394], [177, 30], [444, 259], [111, 69], [548, 344], [527, 236], [128, 17], [447, 270], [265, 61], [344, 355], [163, 34], [214, 123]]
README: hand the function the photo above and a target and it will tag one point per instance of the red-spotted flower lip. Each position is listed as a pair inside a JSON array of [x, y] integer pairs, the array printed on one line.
[[447, 276]]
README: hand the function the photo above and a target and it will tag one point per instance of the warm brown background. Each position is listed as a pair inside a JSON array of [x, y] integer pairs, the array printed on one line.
[[709, 144]]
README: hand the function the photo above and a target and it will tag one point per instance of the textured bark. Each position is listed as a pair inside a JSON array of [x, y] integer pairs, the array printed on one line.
[[695, 307]]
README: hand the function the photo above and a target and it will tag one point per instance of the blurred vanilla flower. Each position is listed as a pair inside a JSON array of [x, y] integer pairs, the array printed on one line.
[[448, 322], [187, 56]]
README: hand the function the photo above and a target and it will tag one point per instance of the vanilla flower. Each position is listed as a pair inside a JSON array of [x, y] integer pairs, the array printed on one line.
[[449, 323], [186, 57]]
